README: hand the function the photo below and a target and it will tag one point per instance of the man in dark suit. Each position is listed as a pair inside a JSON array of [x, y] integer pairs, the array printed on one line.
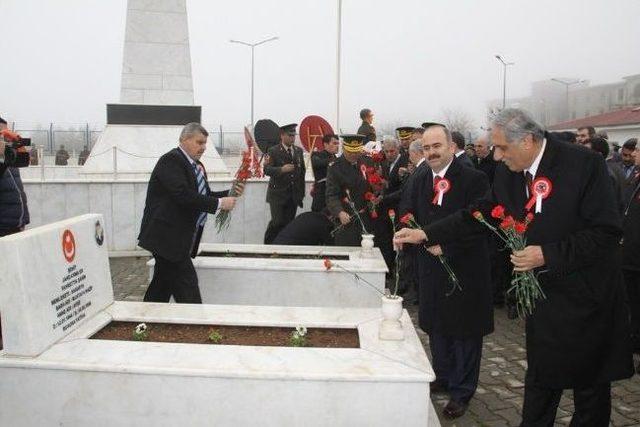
[[366, 129], [455, 319], [460, 154], [631, 256], [348, 172], [178, 200], [484, 152], [320, 161], [629, 169], [395, 162], [284, 165], [578, 336]]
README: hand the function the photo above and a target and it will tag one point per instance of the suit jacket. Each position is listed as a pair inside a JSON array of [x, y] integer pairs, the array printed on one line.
[[172, 208], [343, 176], [367, 130], [631, 227], [393, 192], [464, 160], [579, 335], [407, 191], [284, 186], [320, 161], [488, 166], [465, 313]]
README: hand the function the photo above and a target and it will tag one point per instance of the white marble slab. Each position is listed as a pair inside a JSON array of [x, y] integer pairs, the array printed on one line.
[[68, 283], [136, 383], [289, 282]]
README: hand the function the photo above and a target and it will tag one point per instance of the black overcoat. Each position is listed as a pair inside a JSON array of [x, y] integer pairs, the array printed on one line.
[[465, 313], [579, 335]]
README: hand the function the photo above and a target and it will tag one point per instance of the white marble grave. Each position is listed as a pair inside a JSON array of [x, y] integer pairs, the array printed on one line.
[[53, 376], [288, 282]]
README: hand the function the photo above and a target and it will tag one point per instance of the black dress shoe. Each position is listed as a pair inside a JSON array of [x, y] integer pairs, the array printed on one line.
[[454, 409], [438, 388]]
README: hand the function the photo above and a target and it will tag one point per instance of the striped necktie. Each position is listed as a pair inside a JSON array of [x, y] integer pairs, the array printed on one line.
[[202, 189]]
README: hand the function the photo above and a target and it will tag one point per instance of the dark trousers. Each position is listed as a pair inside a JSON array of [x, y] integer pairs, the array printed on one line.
[[632, 282], [281, 215], [592, 406], [456, 363], [177, 279]]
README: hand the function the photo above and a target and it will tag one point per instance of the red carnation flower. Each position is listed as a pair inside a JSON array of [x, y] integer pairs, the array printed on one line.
[[369, 196], [478, 215], [529, 217], [498, 212], [374, 214], [508, 222], [328, 264], [406, 218], [392, 214], [520, 227]]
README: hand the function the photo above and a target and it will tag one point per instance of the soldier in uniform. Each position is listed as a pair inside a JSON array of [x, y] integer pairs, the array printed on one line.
[[366, 129], [348, 172], [405, 136], [285, 166], [320, 161]]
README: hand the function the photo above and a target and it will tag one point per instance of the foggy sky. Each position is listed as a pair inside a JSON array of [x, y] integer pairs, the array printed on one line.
[[405, 59]]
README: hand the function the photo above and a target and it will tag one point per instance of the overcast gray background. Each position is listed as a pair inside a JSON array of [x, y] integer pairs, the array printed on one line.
[[406, 59]]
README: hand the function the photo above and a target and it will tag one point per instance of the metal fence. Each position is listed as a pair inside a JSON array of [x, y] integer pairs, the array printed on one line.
[[75, 137]]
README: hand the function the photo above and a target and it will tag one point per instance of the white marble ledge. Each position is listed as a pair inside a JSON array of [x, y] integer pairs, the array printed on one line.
[[356, 266], [396, 361]]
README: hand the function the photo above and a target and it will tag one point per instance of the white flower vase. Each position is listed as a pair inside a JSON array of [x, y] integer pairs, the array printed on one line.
[[391, 326], [367, 245]]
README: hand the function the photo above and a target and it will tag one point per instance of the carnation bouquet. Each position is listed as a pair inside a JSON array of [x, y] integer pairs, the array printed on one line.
[[524, 284]]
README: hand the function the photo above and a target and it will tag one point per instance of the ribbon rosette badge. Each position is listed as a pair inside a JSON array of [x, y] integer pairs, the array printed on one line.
[[441, 186], [540, 190]]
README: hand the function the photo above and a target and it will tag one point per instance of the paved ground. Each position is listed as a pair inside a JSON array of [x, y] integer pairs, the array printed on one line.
[[498, 401]]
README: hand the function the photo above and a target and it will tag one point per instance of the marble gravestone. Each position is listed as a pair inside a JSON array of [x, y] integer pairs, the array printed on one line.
[[269, 275], [59, 295]]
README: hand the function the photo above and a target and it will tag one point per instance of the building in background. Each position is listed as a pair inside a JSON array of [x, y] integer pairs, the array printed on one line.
[[566, 99]]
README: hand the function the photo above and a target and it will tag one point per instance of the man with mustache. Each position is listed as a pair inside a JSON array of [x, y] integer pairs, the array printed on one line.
[[455, 319]]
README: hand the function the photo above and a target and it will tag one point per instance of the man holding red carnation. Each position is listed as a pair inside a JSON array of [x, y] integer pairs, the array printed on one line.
[[455, 315], [578, 335]]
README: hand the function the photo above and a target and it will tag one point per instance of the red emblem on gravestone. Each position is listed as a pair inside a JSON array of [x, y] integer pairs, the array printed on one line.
[[68, 245], [312, 129]]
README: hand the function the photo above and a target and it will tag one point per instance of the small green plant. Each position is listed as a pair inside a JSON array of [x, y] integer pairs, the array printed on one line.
[[141, 332], [215, 336], [298, 337]]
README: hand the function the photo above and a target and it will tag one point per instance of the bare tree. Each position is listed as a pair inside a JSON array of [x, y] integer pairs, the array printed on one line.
[[458, 120]]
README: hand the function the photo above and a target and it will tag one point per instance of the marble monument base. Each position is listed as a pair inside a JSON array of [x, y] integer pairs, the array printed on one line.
[[289, 282], [79, 381]]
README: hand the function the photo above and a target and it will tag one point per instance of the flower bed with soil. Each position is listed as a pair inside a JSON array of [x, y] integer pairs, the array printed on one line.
[[230, 335]]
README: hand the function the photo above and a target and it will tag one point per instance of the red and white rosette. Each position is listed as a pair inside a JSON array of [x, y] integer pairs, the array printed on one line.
[[363, 170], [441, 187], [540, 190]]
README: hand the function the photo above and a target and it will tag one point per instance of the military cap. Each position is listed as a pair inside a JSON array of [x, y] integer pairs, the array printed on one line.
[[405, 132], [353, 143], [290, 128], [427, 125]]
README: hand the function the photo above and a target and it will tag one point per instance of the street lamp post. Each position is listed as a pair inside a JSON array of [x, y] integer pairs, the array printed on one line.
[[505, 64], [252, 46], [566, 84]]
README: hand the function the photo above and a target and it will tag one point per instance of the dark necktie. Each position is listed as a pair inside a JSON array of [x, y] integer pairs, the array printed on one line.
[[528, 178], [202, 189]]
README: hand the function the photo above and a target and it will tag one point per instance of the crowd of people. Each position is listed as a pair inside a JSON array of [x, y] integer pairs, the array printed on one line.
[[583, 241]]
